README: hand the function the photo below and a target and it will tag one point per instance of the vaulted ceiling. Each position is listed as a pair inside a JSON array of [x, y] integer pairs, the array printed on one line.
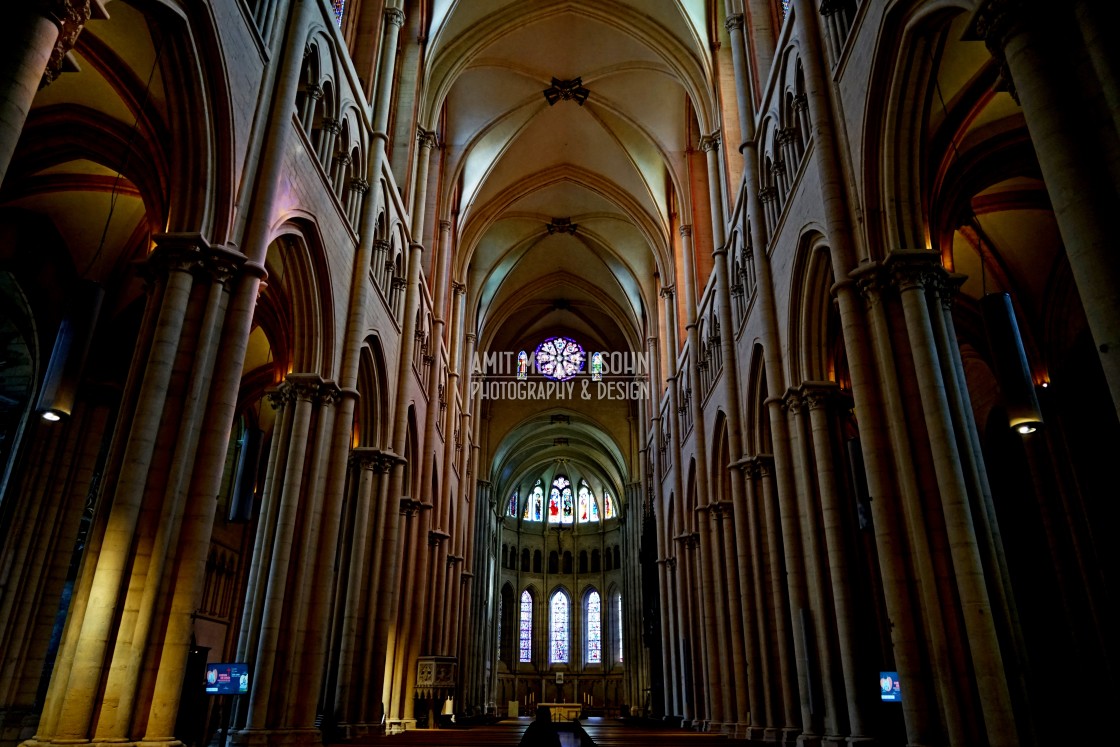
[[566, 126]]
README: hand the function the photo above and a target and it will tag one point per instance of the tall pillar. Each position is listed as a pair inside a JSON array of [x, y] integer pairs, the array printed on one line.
[[1082, 191], [711, 602], [131, 655], [767, 690], [818, 397], [79, 687], [34, 39], [921, 709], [677, 522], [874, 394], [303, 390], [913, 273], [816, 616], [788, 728]]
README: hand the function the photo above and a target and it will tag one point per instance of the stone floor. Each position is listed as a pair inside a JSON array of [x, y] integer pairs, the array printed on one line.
[[598, 732]]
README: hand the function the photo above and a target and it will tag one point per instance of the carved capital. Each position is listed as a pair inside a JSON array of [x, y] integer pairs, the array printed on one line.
[[426, 138], [305, 387], [792, 401], [176, 252], [915, 270], [394, 16], [281, 395], [686, 231], [710, 142], [734, 22], [818, 396], [667, 291], [70, 16]]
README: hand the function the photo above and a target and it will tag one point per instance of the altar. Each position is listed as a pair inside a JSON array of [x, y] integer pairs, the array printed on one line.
[[563, 711]]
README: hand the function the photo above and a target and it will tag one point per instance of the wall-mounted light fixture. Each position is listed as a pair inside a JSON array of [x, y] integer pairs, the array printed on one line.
[[68, 357]]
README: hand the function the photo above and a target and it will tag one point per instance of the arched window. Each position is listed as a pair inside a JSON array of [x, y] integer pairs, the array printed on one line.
[[608, 504], [526, 631], [594, 626], [561, 508], [559, 619], [588, 507], [513, 504], [534, 507], [339, 8]]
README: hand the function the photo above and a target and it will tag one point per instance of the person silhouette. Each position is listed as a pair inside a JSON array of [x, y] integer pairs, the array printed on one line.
[[542, 732]]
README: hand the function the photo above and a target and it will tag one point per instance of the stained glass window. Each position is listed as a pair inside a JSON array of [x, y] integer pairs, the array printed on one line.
[[558, 638], [513, 504], [339, 6], [785, 7], [535, 505], [526, 637], [500, 612], [559, 358], [608, 503], [588, 506], [561, 505], [594, 628]]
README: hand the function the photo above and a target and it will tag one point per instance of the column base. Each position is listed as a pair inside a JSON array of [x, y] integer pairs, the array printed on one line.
[[862, 741], [760, 734], [789, 735], [18, 724], [832, 740], [400, 725]]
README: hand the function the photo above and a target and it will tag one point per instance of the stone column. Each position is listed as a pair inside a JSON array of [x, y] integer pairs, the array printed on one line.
[[818, 396], [734, 25], [317, 546], [34, 40], [324, 149], [710, 601], [793, 693], [677, 522], [913, 273], [764, 700], [367, 461], [453, 436], [305, 388], [1082, 192], [280, 400], [79, 687], [920, 710], [213, 272], [815, 615]]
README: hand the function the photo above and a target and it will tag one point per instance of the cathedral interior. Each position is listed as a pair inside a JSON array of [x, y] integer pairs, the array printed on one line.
[[738, 367]]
